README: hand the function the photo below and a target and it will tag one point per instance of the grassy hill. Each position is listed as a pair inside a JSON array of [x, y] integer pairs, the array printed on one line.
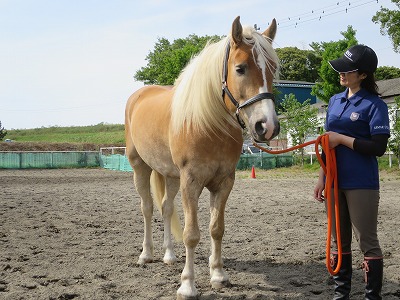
[[65, 138]]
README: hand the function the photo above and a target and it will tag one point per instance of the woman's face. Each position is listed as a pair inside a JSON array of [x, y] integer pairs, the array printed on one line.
[[351, 80]]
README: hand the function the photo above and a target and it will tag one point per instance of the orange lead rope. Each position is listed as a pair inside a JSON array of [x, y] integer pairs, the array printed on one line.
[[330, 181]]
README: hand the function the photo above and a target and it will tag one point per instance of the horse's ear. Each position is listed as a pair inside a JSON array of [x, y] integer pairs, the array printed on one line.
[[237, 31], [270, 31]]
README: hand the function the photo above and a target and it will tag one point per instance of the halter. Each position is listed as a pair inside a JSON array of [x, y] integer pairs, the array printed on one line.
[[225, 89]]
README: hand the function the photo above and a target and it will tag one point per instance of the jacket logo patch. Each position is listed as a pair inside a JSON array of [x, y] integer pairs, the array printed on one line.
[[354, 116]]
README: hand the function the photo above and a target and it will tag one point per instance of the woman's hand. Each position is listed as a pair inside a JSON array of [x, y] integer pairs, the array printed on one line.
[[318, 195], [319, 187], [336, 139]]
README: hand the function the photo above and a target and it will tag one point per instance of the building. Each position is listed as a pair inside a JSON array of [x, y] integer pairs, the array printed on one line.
[[389, 89], [301, 90]]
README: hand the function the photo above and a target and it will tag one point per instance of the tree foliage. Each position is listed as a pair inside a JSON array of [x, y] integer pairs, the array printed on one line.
[[298, 65], [167, 59], [386, 72], [3, 132], [329, 82], [389, 21], [300, 120]]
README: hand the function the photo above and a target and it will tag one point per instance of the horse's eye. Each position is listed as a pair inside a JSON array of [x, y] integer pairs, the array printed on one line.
[[240, 70]]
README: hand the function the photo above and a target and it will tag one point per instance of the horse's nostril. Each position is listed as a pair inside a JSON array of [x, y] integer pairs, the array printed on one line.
[[260, 128]]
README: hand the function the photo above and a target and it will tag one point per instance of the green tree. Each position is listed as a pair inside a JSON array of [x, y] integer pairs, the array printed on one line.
[[394, 140], [386, 72], [329, 84], [299, 121], [389, 21], [298, 65], [3, 132], [167, 59]]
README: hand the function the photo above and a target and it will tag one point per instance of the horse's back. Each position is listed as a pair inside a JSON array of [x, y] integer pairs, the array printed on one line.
[[148, 99], [144, 94]]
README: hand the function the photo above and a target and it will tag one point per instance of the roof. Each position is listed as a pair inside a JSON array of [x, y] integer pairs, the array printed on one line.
[[291, 83], [389, 88]]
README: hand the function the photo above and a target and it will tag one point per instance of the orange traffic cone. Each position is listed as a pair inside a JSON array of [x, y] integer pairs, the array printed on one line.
[[253, 172]]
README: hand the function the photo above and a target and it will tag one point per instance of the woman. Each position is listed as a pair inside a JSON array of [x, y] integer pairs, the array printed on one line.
[[357, 123]]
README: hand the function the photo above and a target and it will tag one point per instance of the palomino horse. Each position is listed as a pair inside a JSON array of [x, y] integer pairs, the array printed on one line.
[[189, 137]]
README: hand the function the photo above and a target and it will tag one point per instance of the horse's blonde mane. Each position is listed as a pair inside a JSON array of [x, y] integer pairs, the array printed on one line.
[[197, 101]]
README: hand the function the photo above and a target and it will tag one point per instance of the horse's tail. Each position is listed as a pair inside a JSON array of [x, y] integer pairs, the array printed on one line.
[[157, 184]]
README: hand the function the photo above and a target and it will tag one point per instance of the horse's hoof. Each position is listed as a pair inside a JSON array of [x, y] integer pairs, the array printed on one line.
[[144, 260], [220, 284], [170, 260], [182, 297], [187, 292]]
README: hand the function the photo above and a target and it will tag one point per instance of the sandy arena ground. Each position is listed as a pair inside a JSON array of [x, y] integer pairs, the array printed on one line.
[[77, 234]]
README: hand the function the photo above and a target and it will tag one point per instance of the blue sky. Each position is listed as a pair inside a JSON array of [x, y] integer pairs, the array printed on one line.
[[71, 62]]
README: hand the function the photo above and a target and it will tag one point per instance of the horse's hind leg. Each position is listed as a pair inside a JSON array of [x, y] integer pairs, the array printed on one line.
[[219, 278], [172, 188], [141, 177]]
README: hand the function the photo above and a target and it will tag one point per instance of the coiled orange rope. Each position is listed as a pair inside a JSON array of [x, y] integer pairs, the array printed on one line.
[[330, 182]]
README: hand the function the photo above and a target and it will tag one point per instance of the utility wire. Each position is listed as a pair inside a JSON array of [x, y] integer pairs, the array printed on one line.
[[323, 10], [324, 15], [320, 13]]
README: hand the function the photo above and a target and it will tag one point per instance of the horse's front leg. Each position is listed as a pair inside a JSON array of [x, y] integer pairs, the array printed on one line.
[[219, 278], [190, 193]]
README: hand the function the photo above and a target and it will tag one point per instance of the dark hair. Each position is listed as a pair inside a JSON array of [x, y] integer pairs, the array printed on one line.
[[369, 82]]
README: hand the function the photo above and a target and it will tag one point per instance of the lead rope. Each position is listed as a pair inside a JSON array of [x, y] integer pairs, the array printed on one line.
[[329, 169]]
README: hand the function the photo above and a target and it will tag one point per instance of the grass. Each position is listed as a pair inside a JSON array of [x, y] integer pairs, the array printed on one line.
[[96, 134]]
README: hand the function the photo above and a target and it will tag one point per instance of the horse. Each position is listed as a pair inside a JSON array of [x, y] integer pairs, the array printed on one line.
[[189, 136]]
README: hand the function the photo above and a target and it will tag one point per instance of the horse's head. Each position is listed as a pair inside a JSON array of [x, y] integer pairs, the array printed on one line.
[[249, 68]]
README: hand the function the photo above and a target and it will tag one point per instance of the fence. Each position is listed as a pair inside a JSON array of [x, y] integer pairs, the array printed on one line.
[[246, 161], [48, 159], [264, 161], [106, 158], [115, 162]]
